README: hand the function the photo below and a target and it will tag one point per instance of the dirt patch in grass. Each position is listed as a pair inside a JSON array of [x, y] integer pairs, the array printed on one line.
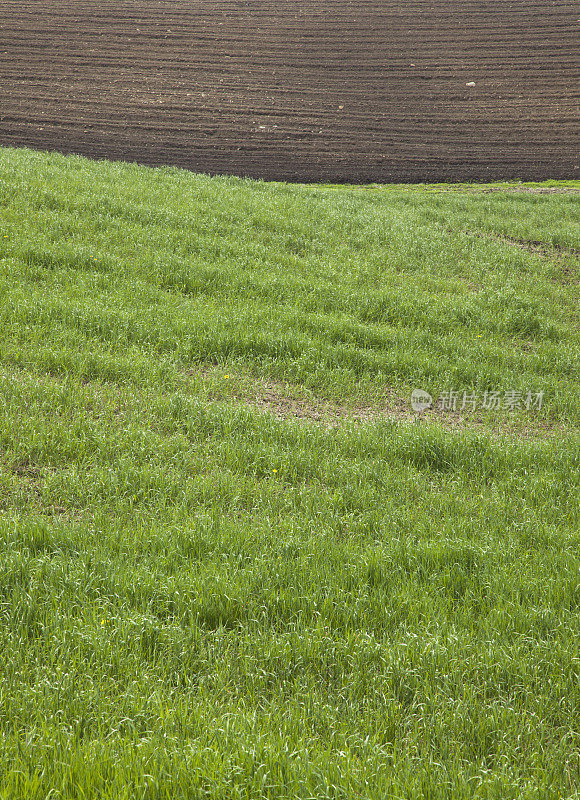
[[569, 275], [270, 398], [565, 257], [475, 189], [25, 469], [533, 189], [28, 490], [530, 245], [533, 246], [287, 402], [284, 401]]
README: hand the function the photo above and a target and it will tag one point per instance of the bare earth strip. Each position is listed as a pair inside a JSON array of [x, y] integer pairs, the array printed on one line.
[[311, 91], [286, 402]]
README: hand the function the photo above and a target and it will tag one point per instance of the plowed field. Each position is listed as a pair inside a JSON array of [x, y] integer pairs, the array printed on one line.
[[308, 91]]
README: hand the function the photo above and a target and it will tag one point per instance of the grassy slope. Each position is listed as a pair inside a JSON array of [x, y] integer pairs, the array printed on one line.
[[198, 600]]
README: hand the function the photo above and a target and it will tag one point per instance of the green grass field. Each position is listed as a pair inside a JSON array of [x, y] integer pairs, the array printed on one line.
[[209, 594]]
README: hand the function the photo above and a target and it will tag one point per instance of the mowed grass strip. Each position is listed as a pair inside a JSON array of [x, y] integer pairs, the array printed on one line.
[[200, 600]]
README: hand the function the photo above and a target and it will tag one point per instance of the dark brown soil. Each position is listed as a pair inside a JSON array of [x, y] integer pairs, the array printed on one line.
[[368, 91]]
